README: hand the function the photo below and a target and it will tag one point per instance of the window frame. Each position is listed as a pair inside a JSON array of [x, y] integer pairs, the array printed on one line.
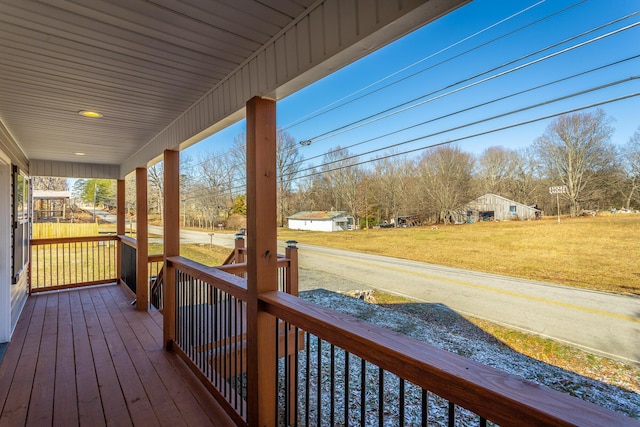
[[20, 223]]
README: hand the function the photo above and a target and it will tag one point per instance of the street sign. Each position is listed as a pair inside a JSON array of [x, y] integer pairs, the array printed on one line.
[[558, 189]]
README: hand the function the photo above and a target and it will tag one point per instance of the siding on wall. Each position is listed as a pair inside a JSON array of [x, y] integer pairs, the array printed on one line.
[[73, 170], [9, 147], [501, 207], [311, 225]]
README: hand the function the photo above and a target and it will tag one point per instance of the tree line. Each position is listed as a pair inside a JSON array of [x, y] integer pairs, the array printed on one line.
[[575, 151]]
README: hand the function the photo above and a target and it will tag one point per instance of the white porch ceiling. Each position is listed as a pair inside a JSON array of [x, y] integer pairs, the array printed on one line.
[[166, 71]]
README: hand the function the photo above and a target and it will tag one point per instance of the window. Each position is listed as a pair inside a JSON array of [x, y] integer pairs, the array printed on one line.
[[20, 240], [512, 209]]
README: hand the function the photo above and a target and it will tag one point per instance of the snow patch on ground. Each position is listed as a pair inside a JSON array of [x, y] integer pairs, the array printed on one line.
[[444, 329]]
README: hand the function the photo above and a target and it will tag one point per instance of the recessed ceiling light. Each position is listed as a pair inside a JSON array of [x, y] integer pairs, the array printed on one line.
[[89, 113], [79, 154]]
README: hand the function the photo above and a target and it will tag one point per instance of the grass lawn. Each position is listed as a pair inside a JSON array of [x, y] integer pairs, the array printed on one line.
[[202, 253], [601, 253]]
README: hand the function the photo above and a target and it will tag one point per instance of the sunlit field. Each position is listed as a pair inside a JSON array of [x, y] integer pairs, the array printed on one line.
[[601, 253]]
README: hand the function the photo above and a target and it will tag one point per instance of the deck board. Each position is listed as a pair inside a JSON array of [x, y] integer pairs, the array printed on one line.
[[65, 397], [86, 357]]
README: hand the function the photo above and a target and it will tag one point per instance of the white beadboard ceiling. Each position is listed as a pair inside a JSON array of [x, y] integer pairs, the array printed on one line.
[[168, 71]]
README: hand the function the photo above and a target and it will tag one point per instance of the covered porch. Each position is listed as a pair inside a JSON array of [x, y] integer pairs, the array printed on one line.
[[233, 345]]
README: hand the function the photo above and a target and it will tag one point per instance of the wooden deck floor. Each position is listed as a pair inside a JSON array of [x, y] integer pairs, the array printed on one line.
[[86, 357]]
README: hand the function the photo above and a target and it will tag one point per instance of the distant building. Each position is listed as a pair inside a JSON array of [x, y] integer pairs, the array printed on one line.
[[492, 207], [50, 204], [321, 221]]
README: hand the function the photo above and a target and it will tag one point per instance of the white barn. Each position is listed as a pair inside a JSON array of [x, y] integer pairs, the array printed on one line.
[[491, 207], [321, 221]]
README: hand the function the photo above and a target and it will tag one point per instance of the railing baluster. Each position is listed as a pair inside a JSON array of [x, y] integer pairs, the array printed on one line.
[[401, 401], [296, 374], [332, 378], [319, 375], [307, 379], [425, 408], [286, 380], [452, 414], [346, 388], [363, 391], [380, 397]]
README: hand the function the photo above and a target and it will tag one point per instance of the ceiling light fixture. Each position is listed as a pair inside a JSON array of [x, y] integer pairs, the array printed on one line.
[[80, 154], [89, 113]]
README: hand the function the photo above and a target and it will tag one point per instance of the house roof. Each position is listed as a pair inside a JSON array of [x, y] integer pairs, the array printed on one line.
[[51, 194], [318, 215], [166, 74]]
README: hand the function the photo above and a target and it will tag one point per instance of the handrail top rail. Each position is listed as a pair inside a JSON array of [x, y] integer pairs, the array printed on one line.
[[54, 240], [233, 285], [241, 267], [129, 241], [156, 257], [490, 393]]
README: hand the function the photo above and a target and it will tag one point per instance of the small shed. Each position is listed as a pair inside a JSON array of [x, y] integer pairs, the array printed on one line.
[[491, 207], [50, 204], [321, 221]]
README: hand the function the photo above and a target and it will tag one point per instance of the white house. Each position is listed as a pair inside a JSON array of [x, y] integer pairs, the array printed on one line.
[[491, 207], [321, 221]]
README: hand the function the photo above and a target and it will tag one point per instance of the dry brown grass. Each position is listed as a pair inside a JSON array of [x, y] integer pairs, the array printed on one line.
[[544, 349], [599, 253]]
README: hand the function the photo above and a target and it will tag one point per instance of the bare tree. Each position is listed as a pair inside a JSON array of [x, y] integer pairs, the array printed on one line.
[[446, 175], [214, 193], [574, 149], [342, 178], [238, 158], [391, 186], [49, 183], [288, 162], [629, 159], [526, 180], [497, 167], [155, 180]]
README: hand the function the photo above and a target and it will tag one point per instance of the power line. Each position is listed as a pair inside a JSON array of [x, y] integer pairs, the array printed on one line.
[[239, 189], [409, 104], [562, 51], [321, 111], [519, 110], [549, 116], [484, 104]]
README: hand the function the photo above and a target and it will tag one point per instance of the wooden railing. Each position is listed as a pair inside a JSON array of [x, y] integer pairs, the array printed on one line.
[[211, 324], [330, 368], [403, 378], [334, 369], [72, 262]]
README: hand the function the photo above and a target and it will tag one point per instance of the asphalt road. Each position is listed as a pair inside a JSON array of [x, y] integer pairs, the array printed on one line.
[[598, 322]]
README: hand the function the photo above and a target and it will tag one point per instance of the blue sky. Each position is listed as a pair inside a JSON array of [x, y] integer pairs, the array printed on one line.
[[447, 56]]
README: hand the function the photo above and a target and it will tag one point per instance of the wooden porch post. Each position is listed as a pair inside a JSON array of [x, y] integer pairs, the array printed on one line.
[[142, 237], [239, 245], [291, 253], [262, 268], [120, 227], [171, 241]]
